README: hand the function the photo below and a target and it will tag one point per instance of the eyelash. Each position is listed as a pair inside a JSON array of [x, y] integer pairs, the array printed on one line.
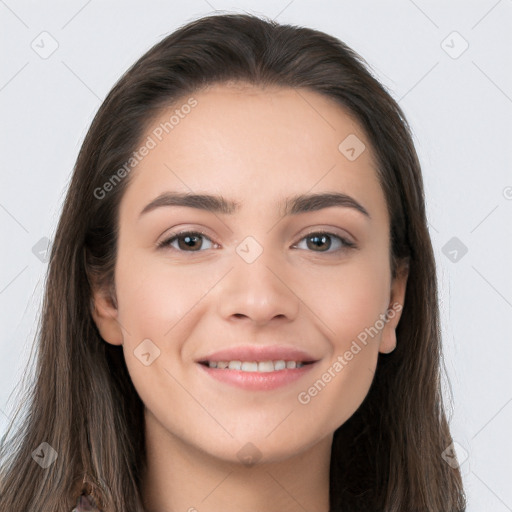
[[347, 244]]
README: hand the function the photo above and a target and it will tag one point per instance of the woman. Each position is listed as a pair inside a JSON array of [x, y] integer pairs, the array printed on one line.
[[241, 306]]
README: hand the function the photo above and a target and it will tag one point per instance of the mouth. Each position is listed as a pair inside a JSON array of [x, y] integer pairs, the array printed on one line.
[[246, 375], [256, 366], [263, 358]]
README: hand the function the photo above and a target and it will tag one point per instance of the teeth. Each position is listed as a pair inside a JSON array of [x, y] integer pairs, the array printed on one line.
[[263, 366], [280, 365], [253, 366]]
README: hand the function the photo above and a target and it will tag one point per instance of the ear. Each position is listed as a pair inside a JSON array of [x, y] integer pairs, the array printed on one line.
[[394, 311], [104, 312]]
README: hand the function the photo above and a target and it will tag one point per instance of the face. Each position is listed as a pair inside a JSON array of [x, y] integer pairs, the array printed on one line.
[[193, 279]]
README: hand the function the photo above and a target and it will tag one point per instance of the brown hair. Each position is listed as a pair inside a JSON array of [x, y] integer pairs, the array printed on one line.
[[387, 456]]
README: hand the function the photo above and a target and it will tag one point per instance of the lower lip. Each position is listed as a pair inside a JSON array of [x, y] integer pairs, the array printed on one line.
[[257, 381]]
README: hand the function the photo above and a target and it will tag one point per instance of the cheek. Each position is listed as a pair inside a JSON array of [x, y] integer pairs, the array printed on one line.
[[352, 299], [338, 388], [155, 298], [162, 305], [350, 306]]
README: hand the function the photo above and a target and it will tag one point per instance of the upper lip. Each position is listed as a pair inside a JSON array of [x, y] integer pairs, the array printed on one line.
[[259, 353]]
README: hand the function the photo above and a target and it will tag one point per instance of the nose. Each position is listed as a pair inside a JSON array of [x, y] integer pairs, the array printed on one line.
[[258, 292]]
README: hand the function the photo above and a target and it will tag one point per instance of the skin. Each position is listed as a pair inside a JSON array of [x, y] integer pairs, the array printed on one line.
[[256, 146]]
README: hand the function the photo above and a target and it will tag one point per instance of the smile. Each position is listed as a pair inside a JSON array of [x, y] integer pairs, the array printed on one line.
[[256, 376], [254, 366]]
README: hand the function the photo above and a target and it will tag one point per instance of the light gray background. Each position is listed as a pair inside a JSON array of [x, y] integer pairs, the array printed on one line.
[[459, 104]]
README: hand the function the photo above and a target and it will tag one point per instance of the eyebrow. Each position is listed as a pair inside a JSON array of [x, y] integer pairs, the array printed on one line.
[[292, 206]]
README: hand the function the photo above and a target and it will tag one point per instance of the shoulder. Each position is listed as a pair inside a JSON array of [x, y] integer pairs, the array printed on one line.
[[86, 503]]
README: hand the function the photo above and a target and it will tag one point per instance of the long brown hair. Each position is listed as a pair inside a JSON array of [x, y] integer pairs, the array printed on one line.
[[387, 456]]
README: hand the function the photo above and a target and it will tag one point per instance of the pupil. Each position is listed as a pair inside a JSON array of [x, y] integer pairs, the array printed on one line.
[[189, 240], [319, 240]]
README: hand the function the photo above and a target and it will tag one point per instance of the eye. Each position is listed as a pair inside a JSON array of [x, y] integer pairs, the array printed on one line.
[[319, 240], [188, 241]]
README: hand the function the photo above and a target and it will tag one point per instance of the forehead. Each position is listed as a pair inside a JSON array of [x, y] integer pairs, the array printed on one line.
[[259, 144]]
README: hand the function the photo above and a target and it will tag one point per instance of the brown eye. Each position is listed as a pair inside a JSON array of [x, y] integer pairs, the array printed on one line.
[[187, 241], [322, 242], [319, 242]]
